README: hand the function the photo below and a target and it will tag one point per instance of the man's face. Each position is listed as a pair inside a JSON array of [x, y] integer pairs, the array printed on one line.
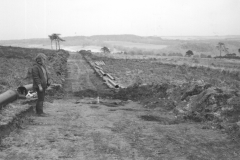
[[43, 61]]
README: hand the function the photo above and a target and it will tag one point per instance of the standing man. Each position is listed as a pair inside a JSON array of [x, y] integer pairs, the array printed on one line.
[[40, 81]]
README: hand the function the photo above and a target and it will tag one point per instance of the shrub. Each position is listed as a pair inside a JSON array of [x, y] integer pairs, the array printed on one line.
[[189, 53]]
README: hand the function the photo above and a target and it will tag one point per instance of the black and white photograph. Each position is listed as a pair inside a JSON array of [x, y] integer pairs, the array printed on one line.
[[119, 79]]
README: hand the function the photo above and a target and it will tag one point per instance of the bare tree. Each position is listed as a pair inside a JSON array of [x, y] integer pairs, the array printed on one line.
[[55, 37], [58, 40], [220, 47], [51, 38]]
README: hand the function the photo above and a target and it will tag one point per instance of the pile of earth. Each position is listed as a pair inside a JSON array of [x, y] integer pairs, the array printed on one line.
[[16, 63], [218, 108]]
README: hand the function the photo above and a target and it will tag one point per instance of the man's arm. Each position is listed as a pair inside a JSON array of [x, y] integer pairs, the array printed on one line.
[[36, 77]]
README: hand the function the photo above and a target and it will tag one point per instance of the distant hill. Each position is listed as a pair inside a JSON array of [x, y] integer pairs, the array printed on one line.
[[198, 44], [99, 38], [128, 38]]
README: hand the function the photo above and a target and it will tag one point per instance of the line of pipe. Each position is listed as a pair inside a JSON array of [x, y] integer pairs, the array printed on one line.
[[7, 97], [109, 81], [11, 95], [104, 74], [98, 72], [110, 76], [29, 87], [98, 67], [113, 83]]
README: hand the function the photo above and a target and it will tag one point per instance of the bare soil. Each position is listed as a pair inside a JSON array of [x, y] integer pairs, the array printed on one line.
[[81, 128]]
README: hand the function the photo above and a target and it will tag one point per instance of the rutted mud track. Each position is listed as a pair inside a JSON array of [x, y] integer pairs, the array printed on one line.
[[78, 128], [78, 74]]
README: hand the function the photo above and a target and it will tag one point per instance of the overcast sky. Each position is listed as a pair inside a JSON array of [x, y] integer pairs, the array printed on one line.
[[22, 19]]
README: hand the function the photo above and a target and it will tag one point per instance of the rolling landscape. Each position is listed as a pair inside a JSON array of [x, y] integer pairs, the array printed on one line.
[[120, 80], [174, 106], [138, 44]]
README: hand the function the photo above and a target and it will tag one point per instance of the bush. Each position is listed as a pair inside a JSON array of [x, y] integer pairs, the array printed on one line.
[[189, 53]]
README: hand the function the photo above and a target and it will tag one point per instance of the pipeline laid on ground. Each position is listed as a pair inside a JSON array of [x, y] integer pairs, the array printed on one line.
[[11, 95], [101, 71], [107, 78], [110, 76], [7, 97], [113, 83], [98, 67]]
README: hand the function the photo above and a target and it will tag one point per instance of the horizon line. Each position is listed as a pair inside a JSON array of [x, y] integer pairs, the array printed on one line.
[[127, 35]]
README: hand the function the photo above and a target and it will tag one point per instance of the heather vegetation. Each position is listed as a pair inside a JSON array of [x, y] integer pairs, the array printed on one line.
[[16, 62]]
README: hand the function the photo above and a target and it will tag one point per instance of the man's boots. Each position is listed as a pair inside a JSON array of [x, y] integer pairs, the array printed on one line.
[[39, 107]]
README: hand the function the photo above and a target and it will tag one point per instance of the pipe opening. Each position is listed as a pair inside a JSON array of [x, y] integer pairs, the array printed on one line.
[[22, 90]]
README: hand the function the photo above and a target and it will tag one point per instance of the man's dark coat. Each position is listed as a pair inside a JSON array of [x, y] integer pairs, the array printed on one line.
[[38, 76]]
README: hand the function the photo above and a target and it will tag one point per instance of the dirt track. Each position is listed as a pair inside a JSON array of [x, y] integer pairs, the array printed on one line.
[[81, 129]]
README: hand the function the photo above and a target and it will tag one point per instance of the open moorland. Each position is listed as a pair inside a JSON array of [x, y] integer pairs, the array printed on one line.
[[168, 107], [138, 45], [198, 93]]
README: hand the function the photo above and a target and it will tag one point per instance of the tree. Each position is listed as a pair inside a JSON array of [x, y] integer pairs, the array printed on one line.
[[58, 40], [51, 38], [189, 53], [55, 37], [105, 50], [220, 47]]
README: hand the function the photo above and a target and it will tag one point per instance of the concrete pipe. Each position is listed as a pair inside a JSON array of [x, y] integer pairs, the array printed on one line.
[[110, 76], [104, 74], [7, 97], [98, 67], [29, 86], [113, 83], [23, 90]]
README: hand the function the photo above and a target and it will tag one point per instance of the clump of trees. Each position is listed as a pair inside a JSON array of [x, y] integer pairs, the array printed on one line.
[[105, 50], [55, 37]]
